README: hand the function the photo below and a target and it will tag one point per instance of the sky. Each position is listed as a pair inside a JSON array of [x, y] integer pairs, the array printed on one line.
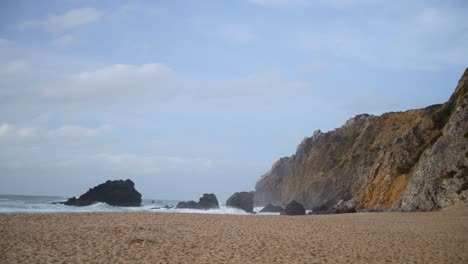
[[193, 97]]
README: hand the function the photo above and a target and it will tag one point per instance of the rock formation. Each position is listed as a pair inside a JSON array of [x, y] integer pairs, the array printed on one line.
[[269, 208], [241, 200], [405, 161], [207, 201], [293, 208], [116, 193]]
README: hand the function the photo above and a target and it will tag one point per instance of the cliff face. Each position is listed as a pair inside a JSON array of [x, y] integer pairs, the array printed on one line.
[[410, 160]]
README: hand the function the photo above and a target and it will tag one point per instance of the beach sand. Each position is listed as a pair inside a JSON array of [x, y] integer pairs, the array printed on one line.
[[436, 237]]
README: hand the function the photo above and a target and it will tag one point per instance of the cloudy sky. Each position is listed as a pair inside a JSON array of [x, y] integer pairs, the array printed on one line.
[[186, 97]]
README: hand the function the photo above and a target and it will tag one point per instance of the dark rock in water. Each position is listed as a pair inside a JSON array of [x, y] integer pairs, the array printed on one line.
[[293, 208], [187, 205], [207, 201], [271, 209], [241, 200], [116, 193], [57, 203]]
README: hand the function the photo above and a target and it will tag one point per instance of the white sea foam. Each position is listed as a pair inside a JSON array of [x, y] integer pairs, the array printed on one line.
[[40, 204]]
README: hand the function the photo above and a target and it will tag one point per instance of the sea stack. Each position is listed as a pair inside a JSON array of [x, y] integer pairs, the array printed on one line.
[[242, 200], [116, 193]]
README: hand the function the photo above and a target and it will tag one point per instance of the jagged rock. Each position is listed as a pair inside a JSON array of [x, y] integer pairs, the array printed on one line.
[[404, 161], [293, 208], [241, 200], [343, 207], [269, 208], [116, 193], [207, 201]]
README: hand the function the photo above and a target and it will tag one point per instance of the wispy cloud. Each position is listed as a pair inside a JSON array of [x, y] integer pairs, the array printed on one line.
[[147, 164], [14, 67], [71, 19], [18, 132], [117, 83], [427, 40], [64, 41]]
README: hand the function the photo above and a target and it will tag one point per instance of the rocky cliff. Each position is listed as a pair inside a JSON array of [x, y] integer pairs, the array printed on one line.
[[412, 160]]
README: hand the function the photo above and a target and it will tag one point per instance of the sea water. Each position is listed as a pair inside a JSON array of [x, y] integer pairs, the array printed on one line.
[[51, 204]]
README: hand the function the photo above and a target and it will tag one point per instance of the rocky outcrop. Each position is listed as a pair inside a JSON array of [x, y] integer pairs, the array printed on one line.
[[293, 208], [241, 200], [207, 201], [412, 160], [343, 207], [187, 205], [116, 193], [269, 208]]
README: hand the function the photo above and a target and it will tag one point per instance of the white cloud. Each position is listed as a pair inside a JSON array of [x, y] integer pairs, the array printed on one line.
[[10, 133], [428, 40], [71, 19], [237, 33], [13, 133], [78, 131], [147, 164], [14, 67], [64, 41], [5, 130], [115, 84]]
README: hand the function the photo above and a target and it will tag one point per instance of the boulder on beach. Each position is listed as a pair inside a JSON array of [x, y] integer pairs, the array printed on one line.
[[343, 207], [293, 208], [269, 208], [241, 200], [207, 201], [116, 193]]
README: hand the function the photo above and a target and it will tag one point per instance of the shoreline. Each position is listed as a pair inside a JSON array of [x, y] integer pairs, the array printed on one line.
[[147, 237]]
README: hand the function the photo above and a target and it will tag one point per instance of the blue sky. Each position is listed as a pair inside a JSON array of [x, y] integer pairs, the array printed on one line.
[[186, 97]]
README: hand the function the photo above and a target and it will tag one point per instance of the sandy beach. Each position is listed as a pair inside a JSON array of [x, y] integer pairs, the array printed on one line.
[[436, 237]]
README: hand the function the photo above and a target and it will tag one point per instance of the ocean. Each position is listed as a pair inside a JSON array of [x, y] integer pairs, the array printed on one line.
[[10, 204]]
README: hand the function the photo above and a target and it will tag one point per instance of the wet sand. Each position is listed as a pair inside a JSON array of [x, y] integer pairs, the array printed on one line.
[[436, 237]]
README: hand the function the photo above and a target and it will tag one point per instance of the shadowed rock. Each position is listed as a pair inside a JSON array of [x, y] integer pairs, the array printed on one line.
[[241, 200], [271, 209], [293, 208], [207, 201], [343, 207], [116, 193]]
